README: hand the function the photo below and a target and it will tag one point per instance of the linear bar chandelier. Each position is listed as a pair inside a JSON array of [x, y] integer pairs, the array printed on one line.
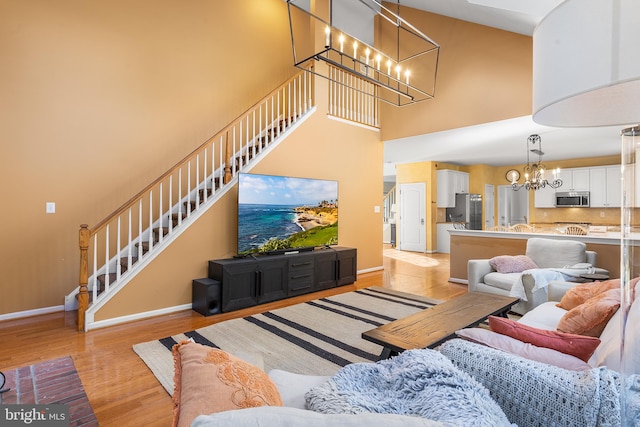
[[534, 172], [401, 63]]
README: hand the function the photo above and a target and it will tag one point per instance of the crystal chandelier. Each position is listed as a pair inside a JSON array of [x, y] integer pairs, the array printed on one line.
[[534, 172], [368, 40]]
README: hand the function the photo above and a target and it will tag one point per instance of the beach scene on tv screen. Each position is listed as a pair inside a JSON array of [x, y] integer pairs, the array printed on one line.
[[277, 213]]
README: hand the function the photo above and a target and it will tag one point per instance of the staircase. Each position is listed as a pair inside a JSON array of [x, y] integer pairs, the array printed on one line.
[[113, 251]]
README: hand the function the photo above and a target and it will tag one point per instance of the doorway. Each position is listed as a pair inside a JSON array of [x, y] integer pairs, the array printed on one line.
[[412, 217], [513, 206]]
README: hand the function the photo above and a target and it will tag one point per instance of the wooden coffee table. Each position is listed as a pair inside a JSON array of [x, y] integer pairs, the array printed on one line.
[[431, 327]]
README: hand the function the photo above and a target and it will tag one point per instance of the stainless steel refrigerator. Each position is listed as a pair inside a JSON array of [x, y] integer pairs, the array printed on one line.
[[468, 210]]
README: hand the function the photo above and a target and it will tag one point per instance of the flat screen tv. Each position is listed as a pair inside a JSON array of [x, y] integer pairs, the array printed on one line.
[[278, 214]]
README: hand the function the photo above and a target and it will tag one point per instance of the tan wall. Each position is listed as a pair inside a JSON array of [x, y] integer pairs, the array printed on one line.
[[99, 98], [319, 148], [484, 75]]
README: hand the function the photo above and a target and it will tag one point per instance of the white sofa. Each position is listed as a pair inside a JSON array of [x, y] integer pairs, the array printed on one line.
[[547, 316], [546, 254], [535, 393]]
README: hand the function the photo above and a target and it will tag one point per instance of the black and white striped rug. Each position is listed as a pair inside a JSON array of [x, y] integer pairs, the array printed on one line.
[[314, 338]]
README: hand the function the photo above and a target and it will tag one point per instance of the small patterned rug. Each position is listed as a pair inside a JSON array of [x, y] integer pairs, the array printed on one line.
[[51, 382]]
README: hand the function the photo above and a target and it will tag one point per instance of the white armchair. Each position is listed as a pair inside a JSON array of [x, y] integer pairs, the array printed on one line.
[[545, 253]]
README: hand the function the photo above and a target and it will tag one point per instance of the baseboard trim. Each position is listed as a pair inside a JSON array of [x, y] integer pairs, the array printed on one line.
[[30, 313], [463, 281], [370, 270], [137, 316]]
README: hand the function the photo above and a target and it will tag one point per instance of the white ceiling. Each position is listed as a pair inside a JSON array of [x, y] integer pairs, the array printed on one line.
[[504, 142]]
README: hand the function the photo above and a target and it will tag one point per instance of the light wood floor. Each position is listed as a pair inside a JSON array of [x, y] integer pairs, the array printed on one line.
[[123, 391]]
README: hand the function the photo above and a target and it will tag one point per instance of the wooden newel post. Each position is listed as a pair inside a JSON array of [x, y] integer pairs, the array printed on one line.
[[227, 161], [83, 294]]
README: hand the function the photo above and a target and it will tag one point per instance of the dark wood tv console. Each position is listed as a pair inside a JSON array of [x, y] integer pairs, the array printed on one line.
[[256, 280]]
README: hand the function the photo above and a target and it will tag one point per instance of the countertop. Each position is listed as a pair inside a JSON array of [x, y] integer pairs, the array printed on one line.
[[610, 237]]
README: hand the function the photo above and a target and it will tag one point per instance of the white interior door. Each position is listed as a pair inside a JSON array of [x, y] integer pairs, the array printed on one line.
[[489, 206], [412, 217]]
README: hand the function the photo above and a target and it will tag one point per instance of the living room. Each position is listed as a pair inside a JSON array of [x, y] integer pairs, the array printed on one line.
[[103, 98], [134, 153]]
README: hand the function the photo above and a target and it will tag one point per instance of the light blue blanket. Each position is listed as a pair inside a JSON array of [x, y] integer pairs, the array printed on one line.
[[420, 383]]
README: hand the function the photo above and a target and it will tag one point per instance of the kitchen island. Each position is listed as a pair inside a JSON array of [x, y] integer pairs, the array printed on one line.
[[479, 244]]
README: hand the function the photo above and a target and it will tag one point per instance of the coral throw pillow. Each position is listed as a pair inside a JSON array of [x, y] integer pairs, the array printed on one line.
[[581, 293], [591, 317], [579, 346], [208, 380], [512, 264]]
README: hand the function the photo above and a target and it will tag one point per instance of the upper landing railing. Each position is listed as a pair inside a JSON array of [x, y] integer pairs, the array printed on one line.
[[115, 249]]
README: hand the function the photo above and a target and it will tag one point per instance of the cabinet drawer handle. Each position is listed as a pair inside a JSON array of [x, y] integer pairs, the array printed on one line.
[[301, 277], [300, 264]]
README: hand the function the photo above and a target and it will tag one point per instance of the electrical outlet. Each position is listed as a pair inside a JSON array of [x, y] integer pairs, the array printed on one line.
[[376, 209], [50, 207], [544, 215], [601, 214]]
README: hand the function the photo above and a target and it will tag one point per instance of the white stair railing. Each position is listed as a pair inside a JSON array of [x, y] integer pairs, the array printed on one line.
[[352, 98], [115, 249]]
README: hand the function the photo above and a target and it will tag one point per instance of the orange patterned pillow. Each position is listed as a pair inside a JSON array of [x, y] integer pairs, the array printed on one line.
[[209, 380], [591, 317], [581, 293]]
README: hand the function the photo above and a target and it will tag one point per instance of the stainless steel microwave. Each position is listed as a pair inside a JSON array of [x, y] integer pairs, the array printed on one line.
[[572, 199]]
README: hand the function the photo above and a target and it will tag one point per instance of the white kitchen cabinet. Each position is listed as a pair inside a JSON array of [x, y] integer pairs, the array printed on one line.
[[576, 179], [460, 182], [605, 187], [450, 182], [545, 197], [443, 242]]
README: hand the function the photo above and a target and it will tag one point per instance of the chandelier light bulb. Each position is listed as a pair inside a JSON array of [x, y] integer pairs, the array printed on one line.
[[388, 66], [367, 51], [341, 43], [327, 36], [407, 74], [398, 69], [355, 50], [378, 59]]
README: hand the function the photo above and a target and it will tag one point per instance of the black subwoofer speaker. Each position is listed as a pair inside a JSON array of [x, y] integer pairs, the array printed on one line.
[[206, 296]]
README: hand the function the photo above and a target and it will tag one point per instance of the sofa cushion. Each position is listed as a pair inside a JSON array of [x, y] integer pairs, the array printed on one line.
[[511, 264], [294, 417], [522, 349], [292, 387], [579, 294], [545, 316], [208, 380], [551, 253], [502, 281], [579, 346], [591, 317]]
